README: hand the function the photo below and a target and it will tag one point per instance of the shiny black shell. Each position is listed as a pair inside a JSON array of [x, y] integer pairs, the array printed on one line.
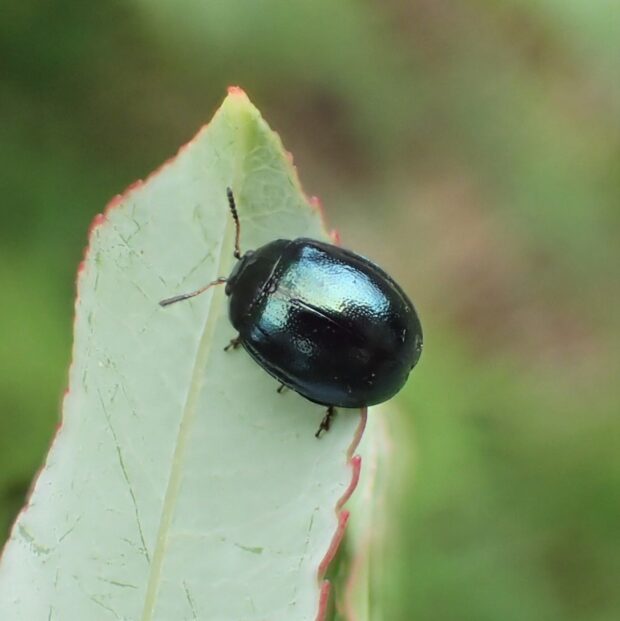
[[324, 321]]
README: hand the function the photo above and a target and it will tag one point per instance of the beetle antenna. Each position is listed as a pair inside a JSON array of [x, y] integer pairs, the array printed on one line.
[[186, 296], [233, 210]]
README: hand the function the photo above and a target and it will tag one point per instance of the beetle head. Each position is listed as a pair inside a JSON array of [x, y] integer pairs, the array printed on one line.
[[242, 264]]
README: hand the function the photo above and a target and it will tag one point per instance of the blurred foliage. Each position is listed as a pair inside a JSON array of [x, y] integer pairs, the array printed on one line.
[[471, 148]]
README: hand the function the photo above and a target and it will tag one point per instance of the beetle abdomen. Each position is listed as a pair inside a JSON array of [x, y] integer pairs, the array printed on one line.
[[332, 326]]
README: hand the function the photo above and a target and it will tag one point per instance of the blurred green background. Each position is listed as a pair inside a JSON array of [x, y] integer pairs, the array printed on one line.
[[472, 148]]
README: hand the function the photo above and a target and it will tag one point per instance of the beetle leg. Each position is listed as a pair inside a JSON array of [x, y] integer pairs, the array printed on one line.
[[326, 422], [281, 388], [234, 343]]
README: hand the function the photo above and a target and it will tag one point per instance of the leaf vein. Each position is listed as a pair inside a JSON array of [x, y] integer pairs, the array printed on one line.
[[174, 481]]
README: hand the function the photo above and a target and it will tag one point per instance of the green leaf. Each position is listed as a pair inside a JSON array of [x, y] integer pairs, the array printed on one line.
[[180, 484]]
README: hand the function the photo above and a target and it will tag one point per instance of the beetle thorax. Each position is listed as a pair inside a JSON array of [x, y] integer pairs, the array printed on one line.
[[248, 279]]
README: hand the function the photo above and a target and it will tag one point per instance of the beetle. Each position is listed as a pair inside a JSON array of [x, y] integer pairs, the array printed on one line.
[[324, 321]]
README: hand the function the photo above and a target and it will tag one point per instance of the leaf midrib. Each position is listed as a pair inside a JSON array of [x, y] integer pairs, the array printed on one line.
[[174, 481]]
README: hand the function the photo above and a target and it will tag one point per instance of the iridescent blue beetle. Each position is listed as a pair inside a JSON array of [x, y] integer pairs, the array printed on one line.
[[322, 320]]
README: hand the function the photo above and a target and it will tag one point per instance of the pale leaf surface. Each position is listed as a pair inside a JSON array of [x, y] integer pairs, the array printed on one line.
[[181, 485]]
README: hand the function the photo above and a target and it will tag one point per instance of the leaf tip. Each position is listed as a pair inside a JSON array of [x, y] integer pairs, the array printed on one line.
[[236, 91]]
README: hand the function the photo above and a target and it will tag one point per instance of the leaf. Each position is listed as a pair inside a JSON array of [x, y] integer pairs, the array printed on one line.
[[367, 528], [180, 484]]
